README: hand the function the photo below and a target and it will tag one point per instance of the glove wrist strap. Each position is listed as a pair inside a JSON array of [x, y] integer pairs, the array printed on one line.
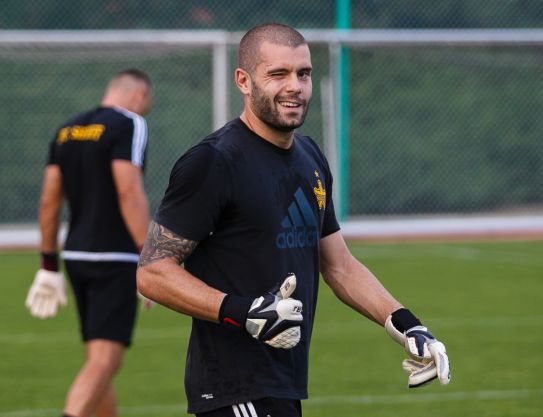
[[49, 261], [234, 310], [403, 320]]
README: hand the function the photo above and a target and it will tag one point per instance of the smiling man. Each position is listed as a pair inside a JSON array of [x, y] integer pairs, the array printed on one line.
[[249, 213]]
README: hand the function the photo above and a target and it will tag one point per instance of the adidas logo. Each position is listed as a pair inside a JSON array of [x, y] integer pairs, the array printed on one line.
[[300, 225]]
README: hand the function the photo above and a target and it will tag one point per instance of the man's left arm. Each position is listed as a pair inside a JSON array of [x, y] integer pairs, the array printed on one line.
[[356, 286]]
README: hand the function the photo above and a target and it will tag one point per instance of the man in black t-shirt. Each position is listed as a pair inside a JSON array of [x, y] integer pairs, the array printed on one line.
[[96, 161], [248, 208]]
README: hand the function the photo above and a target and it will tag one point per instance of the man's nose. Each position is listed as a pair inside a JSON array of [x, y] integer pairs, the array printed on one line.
[[294, 84]]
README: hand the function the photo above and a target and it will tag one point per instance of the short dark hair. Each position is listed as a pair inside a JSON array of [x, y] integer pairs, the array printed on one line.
[[275, 33], [134, 73]]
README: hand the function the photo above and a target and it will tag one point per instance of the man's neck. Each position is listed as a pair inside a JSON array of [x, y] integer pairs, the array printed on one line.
[[274, 136]]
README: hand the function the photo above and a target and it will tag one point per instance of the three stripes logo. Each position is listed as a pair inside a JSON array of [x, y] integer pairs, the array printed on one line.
[[299, 225]]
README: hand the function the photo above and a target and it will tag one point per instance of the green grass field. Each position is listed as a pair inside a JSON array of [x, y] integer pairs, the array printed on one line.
[[485, 300]]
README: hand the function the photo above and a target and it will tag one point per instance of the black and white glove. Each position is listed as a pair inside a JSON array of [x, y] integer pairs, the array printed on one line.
[[274, 318], [428, 356]]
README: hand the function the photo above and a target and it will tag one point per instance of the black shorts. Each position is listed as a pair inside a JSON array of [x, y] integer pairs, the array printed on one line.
[[265, 407], [106, 299]]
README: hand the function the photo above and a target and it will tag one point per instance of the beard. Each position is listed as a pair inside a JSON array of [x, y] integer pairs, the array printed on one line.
[[264, 109]]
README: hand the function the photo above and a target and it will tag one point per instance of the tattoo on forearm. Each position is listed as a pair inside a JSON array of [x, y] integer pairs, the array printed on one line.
[[162, 243]]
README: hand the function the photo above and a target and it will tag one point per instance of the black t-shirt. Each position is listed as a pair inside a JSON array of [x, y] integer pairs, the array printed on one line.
[[84, 148], [259, 212]]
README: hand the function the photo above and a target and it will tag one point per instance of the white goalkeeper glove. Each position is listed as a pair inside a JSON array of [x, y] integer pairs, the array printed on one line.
[[273, 318], [428, 356], [47, 292]]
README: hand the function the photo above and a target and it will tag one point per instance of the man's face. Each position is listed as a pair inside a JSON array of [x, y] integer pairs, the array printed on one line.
[[281, 86]]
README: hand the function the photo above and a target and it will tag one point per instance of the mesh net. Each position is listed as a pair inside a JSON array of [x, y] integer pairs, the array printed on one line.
[[432, 130]]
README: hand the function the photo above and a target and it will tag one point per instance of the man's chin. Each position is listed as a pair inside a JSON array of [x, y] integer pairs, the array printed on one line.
[[288, 127], [292, 123]]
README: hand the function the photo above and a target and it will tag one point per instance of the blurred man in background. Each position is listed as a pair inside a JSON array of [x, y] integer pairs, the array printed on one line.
[[96, 161]]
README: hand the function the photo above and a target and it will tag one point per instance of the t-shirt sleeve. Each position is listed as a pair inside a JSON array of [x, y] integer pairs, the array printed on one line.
[[52, 158], [131, 141], [330, 224], [197, 193]]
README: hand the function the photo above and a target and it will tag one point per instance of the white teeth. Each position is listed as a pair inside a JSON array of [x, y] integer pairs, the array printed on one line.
[[289, 104]]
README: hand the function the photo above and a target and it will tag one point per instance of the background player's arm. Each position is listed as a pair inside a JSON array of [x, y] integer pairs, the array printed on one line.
[[352, 282], [161, 277], [132, 198], [50, 208], [48, 289]]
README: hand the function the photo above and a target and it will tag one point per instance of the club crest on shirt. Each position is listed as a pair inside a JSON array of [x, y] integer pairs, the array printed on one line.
[[320, 193]]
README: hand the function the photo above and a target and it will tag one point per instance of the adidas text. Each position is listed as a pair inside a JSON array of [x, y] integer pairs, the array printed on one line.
[[295, 238]]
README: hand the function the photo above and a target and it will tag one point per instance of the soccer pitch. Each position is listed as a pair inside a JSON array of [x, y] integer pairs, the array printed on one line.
[[484, 300]]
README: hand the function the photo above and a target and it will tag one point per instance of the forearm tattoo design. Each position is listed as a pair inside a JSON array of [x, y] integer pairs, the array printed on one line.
[[162, 243]]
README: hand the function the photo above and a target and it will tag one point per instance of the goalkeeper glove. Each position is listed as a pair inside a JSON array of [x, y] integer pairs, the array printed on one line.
[[47, 292], [273, 318], [428, 356]]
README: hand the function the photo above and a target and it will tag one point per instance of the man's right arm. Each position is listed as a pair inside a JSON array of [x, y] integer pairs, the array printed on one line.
[[132, 198], [48, 289], [273, 318], [50, 208], [161, 277]]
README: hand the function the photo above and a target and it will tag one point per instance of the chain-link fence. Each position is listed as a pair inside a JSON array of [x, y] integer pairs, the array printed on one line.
[[239, 15], [432, 129]]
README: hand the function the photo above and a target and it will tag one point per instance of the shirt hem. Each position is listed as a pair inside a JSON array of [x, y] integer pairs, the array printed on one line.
[[202, 407]]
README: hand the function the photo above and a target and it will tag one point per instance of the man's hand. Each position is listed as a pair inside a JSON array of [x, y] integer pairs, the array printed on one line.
[[428, 356], [47, 292], [273, 318]]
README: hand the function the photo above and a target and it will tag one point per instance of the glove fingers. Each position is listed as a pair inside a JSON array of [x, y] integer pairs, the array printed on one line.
[[37, 307], [423, 375], [410, 366], [45, 308], [290, 309], [287, 339], [51, 307], [30, 298], [287, 287], [62, 298], [437, 349]]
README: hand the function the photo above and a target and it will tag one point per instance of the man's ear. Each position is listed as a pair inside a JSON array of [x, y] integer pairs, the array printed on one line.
[[138, 98], [243, 81]]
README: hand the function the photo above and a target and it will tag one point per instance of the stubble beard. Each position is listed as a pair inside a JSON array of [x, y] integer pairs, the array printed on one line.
[[264, 109]]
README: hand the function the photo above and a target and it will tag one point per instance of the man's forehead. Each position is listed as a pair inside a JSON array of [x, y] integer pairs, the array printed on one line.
[[272, 55]]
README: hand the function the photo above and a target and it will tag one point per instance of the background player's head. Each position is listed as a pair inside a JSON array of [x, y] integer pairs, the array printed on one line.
[[130, 89], [274, 75]]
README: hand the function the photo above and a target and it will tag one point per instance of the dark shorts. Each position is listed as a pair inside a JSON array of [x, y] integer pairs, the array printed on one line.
[[106, 299], [265, 407]]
